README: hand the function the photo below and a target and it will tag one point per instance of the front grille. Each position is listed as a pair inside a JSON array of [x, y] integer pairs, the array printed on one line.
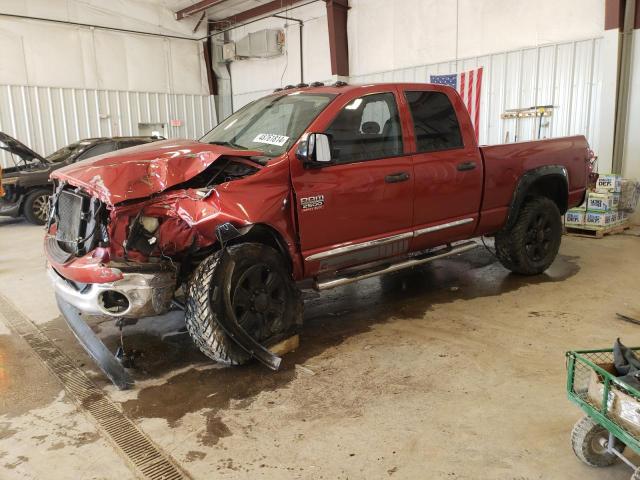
[[81, 222], [69, 212]]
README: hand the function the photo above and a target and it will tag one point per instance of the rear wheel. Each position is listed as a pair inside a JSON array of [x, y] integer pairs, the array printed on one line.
[[36, 206], [530, 246], [589, 442], [263, 299]]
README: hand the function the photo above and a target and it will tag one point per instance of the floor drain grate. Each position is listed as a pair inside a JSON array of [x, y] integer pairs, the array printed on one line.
[[142, 455]]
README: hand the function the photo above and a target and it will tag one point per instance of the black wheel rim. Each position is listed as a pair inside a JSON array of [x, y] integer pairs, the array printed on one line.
[[259, 301], [539, 237], [41, 207]]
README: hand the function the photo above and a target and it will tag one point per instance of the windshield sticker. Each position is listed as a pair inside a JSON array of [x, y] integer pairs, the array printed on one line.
[[271, 139]]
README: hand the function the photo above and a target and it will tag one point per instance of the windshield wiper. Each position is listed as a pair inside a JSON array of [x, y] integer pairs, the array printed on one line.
[[228, 144]]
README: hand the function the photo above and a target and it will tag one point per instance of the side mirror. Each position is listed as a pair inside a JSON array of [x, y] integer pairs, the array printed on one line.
[[315, 151]]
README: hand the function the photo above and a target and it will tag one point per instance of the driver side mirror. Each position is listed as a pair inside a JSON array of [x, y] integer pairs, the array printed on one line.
[[315, 151]]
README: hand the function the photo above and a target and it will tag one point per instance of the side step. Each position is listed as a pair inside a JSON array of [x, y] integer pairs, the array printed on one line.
[[442, 253]]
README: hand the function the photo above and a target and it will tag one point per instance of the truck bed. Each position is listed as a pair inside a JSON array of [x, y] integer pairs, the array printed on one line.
[[504, 165]]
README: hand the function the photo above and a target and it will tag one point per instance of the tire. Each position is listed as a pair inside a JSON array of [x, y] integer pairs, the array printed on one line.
[[35, 208], [530, 246], [586, 438], [267, 315]]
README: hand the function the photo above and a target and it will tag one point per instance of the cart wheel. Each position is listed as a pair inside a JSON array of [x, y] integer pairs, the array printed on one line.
[[589, 442], [636, 474]]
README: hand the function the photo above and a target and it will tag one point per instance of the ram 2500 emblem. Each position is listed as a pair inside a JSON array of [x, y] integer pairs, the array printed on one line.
[[312, 203]]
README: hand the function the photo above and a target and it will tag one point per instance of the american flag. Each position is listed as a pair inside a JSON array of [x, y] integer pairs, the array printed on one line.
[[469, 86]]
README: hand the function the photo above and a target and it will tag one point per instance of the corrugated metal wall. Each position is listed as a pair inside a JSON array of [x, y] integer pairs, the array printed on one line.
[[566, 75], [47, 118]]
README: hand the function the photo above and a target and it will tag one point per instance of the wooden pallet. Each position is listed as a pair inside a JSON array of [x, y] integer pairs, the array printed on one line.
[[596, 232]]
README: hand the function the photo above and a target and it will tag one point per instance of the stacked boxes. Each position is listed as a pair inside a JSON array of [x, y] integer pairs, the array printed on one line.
[[600, 209]]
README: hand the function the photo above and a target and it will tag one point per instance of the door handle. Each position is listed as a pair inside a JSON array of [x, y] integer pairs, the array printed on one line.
[[397, 177], [464, 166]]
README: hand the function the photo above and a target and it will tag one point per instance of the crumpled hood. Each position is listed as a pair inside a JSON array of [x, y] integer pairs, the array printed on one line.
[[141, 171]]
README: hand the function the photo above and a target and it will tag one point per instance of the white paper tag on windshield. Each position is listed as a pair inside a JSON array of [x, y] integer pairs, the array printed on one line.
[[271, 139]]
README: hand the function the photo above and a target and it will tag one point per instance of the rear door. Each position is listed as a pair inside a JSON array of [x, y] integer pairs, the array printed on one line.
[[447, 166], [360, 208]]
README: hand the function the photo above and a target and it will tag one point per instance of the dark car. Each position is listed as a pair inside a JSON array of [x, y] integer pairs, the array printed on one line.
[[27, 186]]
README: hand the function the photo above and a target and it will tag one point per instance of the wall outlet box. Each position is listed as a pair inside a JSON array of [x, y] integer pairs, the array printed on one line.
[[600, 219], [602, 202], [608, 183], [574, 217]]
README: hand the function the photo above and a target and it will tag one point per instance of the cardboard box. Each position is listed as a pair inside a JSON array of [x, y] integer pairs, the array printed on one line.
[[574, 217], [600, 219], [602, 202], [622, 407], [608, 183]]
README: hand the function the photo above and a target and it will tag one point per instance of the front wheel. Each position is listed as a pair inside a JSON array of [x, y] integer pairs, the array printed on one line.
[[531, 245], [36, 206], [263, 297], [589, 442]]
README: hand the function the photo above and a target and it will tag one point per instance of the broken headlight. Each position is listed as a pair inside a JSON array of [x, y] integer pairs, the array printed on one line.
[[150, 224], [141, 234]]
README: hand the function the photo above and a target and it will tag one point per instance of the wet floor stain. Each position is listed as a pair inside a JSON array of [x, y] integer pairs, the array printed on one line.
[[19, 460], [215, 430], [330, 318], [193, 455], [16, 396]]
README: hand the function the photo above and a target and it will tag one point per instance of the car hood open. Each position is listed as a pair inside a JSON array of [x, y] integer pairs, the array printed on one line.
[[141, 171], [18, 148]]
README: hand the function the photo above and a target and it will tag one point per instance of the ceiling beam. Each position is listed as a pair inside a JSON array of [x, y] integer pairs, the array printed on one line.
[[258, 11], [338, 43], [196, 8]]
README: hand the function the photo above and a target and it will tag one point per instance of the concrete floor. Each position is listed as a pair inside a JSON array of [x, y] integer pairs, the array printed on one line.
[[455, 370]]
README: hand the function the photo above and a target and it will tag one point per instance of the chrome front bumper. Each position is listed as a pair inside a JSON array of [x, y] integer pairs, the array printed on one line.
[[146, 294]]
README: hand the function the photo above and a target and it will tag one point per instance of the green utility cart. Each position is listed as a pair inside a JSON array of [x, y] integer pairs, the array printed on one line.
[[612, 408]]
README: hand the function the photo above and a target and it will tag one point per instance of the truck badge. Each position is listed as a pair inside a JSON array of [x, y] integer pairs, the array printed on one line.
[[312, 203]]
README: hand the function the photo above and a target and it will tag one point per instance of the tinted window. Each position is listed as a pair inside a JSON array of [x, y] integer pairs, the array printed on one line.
[[367, 128], [434, 120], [99, 149]]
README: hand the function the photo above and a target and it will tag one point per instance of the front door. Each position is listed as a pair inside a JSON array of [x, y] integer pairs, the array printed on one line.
[[359, 209]]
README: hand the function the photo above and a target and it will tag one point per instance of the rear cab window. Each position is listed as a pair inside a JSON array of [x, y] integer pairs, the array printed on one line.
[[435, 121]]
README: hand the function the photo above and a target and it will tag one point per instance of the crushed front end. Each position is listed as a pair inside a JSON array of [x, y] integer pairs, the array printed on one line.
[[89, 280], [84, 275]]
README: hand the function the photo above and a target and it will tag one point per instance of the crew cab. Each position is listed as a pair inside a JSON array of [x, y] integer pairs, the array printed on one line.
[[309, 187]]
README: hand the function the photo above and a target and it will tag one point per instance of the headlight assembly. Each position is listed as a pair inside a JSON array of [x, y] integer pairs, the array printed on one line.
[[150, 224]]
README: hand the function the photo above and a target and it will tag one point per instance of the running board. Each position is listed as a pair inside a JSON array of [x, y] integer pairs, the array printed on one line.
[[442, 253]]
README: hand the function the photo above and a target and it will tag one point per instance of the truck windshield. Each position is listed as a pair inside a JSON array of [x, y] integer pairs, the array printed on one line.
[[271, 124]]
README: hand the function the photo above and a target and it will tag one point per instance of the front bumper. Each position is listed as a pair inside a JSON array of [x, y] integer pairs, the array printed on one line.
[[136, 295]]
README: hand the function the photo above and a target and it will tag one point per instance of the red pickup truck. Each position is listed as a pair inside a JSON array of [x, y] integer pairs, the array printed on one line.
[[314, 186]]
